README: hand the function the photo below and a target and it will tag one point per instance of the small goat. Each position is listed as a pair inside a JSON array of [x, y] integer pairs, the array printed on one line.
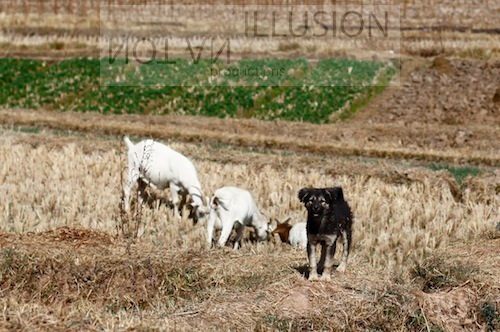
[[296, 235], [235, 207], [159, 166], [328, 217]]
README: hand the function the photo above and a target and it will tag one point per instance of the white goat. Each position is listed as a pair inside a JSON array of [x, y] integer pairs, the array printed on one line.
[[160, 167], [296, 235], [235, 207]]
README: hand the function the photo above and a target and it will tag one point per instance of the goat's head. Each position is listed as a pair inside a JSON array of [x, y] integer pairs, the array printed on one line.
[[200, 212], [282, 229], [318, 200], [263, 229]]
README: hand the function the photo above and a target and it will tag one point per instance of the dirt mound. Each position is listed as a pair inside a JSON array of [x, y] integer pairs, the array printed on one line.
[[454, 309], [442, 65], [77, 236], [297, 302], [74, 237], [60, 275]]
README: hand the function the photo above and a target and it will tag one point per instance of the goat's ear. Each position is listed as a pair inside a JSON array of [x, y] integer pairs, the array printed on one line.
[[277, 222], [335, 194], [304, 194]]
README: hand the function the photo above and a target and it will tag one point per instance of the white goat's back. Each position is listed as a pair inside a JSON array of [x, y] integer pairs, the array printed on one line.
[[158, 165], [298, 235], [236, 204]]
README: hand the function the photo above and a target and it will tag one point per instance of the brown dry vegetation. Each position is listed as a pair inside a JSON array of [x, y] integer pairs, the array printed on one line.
[[109, 286], [426, 246], [55, 29], [71, 269]]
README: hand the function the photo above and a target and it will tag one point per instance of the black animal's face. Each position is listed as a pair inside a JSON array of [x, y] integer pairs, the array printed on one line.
[[316, 205], [318, 200]]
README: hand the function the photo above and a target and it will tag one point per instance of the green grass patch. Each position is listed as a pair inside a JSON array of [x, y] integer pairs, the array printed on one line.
[[459, 173], [29, 130], [268, 89]]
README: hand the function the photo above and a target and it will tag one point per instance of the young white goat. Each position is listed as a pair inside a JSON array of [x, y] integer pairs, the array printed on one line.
[[160, 167], [235, 207], [296, 235]]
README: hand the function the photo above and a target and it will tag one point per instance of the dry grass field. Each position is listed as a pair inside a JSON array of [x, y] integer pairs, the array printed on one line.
[[59, 29], [419, 165], [67, 265]]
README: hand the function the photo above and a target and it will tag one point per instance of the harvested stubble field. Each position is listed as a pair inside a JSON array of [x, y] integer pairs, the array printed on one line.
[[55, 29], [424, 254], [418, 164]]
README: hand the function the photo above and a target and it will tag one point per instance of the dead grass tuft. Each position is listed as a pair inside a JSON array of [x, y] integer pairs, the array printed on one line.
[[442, 65], [116, 278], [286, 47], [87, 237], [435, 274]]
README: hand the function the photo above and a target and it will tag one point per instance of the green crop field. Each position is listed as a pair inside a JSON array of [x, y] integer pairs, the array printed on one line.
[[289, 89]]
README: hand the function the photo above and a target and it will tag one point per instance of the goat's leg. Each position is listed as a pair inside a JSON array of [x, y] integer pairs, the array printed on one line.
[[127, 188], [126, 197], [183, 200], [174, 191], [227, 227], [346, 235], [239, 233], [133, 177], [141, 189], [311, 253], [210, 226]]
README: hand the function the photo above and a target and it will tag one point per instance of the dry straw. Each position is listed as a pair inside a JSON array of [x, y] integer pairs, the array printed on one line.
[[64, 264], [53, 186]]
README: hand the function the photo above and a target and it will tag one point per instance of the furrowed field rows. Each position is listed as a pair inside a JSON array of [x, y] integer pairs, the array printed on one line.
[[288, 89], [416, 12]]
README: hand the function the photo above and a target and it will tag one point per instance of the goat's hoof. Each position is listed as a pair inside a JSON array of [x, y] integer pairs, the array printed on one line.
[[341, 268], [326, 277], [313, 277]]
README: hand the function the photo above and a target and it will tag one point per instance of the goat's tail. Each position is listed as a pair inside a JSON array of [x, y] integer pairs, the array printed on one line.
[[128, 142], [217, 202]]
